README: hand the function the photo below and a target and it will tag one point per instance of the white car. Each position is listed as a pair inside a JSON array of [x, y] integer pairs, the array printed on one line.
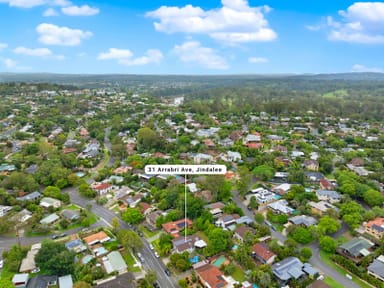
[[1, 263], [151, 246], [157, 254]]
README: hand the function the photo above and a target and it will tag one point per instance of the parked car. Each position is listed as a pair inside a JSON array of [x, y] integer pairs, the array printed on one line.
[[157, 254], [167, 272], [156, 285], [151, 246], [1, 263]]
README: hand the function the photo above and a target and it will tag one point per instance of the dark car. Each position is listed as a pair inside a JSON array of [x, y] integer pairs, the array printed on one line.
[[167, 272], [63, 235], [156, 285], [54, 236]]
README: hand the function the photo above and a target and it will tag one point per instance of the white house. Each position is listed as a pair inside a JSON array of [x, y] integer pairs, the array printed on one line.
[[47, 202]]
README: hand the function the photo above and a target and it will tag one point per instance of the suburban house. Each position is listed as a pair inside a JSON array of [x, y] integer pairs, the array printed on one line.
[[262, 253], [215, 209], [326, 184], [312, 165], [241, 231], [20, 280], [375, 228], [376, 268], [47, 202], [30, 197], [189, 243], [151, 218], [66, 281], [282, 189], [175, 227], [102, 188], [22, 216], [321, 207], [330, 196], [114, 262], [210, 275], [233, 156], [40, 281], [4, 210], [280, 207], [356, 248], [226, 220], [28, 263], [76, 245], [287, 269], [70, 215], [303, 220], [263, 196], [98, 237], [50, 219]]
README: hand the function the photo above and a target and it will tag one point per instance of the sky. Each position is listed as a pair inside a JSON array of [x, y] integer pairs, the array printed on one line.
[[191, 36]]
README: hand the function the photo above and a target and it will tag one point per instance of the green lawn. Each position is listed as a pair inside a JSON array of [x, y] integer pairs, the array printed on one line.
[[332, 283], [147, 233], [130, 261], [325, 257], [238, 274]]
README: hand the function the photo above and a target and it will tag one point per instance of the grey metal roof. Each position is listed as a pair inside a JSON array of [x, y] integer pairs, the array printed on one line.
[[377, 267]]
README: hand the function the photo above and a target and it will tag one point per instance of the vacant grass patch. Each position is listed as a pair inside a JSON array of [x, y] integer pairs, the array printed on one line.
[[238, 274], [332, 283]]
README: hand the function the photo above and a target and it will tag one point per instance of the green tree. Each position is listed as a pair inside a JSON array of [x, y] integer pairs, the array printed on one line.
[[86, 191], [148, 138], [264, 172], [301, 235], [305, 254], [373, 198], [132, 216], [115, 224], [328, 225], [82, 284], [55, 259], [130, 240], [328, 244]]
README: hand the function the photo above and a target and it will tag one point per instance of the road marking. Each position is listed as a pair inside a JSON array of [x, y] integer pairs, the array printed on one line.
[[106, 222]]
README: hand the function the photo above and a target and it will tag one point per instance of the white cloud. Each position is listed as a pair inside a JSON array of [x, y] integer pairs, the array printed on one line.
[[34, 3], [361, 22], [84, 10], [257, 60], [3, 46], [193, 52], [50, 12], [9, 63], [235, 22], [362, 68], [38, 52], [51, 34], [125, 57]]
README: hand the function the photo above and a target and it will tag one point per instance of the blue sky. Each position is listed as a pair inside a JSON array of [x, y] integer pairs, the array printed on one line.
[[191, 37]]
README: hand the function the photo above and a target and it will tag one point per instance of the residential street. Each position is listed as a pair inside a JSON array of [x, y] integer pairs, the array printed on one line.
[[315, 260]]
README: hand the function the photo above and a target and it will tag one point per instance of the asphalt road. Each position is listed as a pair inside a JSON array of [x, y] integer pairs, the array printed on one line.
[[315, 260]]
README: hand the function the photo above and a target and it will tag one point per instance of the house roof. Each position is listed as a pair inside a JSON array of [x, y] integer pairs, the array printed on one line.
[[212, 275], [377, 267], [376, 224], [41, 281], [357, 246], [288, 268], [261, 250], [65, 281], [176, 226], [70, 214], [30, 196], [303, 220], [241, 230], [117, 262], [20, 278], [48, 201], [328, 193], [97, 237], [50, 219]]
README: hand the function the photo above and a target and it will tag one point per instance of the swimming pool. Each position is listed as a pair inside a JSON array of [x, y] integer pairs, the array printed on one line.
[[86, 259], [219, 261]]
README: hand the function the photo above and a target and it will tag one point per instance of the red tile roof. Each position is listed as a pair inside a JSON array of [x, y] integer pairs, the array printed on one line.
[[262, 251], [212, 275], [176, 226], [375, 222]]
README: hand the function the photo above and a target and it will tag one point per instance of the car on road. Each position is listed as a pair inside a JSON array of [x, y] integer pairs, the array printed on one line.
[[167, 272], [63, 235], [157, 254], [140, 256], [151, 246], [1, 263], [156, 285], [54, 236]]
